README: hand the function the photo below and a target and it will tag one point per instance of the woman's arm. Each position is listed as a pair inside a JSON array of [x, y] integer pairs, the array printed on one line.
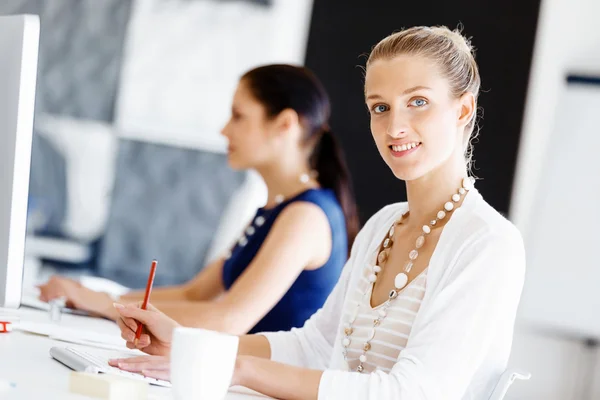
[[299, 238], [206, 285], [255, 346], [280, 381]]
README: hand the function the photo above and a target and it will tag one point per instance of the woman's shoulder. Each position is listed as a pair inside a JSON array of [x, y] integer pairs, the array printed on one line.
[[319, 196], [313, 204], [483, 221], [325, 199], [478, 230]]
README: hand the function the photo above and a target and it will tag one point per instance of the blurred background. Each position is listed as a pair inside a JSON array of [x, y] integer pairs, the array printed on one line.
[[128, 164]]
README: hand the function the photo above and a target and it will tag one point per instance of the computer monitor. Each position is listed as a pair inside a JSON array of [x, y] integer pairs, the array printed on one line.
[[19, 39]]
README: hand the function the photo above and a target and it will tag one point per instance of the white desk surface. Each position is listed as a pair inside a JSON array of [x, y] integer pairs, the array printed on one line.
[[25, 360]]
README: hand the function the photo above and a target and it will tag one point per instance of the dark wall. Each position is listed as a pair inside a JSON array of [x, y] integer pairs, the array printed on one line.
[[342, 33]]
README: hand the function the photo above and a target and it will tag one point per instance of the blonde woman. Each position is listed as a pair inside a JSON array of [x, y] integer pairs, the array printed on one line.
[[426, 304]]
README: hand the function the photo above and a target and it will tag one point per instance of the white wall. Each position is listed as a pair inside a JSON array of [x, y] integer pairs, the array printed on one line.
[[177, 82], [568, 41]]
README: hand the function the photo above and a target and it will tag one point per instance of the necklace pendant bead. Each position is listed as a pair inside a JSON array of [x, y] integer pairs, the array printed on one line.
[[408, 266], [259, 221], [467, 183], [363, 358], [441, 214], [382, 257], [371, 335], [401, 280], [367, 346], [348, 331], [449, 206], [392, 229], [420, 241], [359, 368], [455, 198], [386, 243], [376, 322], [346, 342], [426, 229], [433, 222], [393, 294], [413, 255], [376, 269]]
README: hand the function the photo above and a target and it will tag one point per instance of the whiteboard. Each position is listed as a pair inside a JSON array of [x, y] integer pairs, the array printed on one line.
[[562, 289]]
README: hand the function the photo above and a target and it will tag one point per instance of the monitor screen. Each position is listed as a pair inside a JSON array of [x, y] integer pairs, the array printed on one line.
[[19, 38]]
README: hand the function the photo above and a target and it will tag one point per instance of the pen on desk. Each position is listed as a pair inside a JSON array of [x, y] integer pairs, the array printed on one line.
[[138, 332]]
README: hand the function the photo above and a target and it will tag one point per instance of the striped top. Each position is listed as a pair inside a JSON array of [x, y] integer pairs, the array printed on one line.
[[391, 336]]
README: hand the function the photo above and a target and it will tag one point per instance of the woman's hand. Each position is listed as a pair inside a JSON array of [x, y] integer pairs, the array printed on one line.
[[158, 328], [157, 367], [77, 296], [57, 287]]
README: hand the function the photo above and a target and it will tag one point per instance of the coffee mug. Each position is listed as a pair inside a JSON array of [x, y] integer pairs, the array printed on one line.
[[202, 363]]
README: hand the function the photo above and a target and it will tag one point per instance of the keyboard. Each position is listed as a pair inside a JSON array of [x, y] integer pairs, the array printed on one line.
[[83, 361]]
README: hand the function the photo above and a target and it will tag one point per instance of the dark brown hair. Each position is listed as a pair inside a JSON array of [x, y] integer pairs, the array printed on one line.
[[279, 87]]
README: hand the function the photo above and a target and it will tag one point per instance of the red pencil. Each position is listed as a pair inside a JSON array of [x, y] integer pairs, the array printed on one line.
[[138, 332]]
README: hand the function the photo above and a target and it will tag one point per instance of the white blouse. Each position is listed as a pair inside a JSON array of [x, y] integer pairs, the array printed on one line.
[[461, 337]]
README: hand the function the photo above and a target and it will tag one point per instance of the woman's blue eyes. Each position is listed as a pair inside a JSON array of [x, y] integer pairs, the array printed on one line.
[[381, 108], [418, 102]]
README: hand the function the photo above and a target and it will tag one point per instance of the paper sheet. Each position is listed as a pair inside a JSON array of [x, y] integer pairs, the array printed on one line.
[[72, 335]]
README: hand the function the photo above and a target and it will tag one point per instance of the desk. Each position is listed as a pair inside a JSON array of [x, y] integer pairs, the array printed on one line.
[[25, 360]]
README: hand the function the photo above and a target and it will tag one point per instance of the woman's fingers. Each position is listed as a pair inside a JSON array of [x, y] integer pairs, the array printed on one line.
[[152, 308], [164, 375], [130, 323], [57, 287], [146, 317], [139, 363], [144, 341], [129, 337], [140, 366], [127, 324], [126, 332], [50, 291]]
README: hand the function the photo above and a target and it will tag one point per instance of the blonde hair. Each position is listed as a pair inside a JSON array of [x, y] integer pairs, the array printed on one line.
[[454, 55]]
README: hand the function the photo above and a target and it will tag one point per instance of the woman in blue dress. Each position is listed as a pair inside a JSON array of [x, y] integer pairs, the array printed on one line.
[[288, 259]]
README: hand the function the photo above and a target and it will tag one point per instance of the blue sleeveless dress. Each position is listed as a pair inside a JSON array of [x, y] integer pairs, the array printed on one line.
[[310, 290]]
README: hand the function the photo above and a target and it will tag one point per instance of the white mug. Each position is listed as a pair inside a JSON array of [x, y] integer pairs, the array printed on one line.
[[202, 364]]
